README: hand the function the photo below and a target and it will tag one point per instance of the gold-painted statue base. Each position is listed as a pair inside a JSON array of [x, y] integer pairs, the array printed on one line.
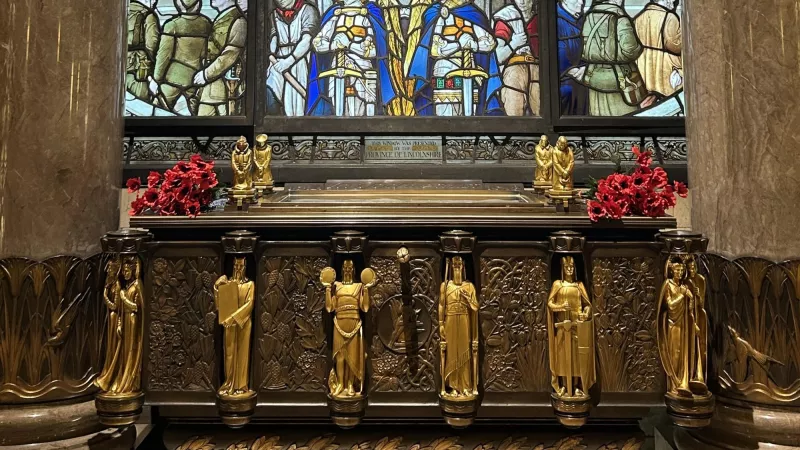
[[119, 410], [239, 199], [690, 412], [236, 410], [262, 188], [572, 412], [562, 199], [459, 412], [346, 412], [542, 186]]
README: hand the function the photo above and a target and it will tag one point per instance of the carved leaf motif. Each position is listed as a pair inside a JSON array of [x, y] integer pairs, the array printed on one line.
[[387, 444], [265, 443], [570, 443], [445, 443], [197, 443]]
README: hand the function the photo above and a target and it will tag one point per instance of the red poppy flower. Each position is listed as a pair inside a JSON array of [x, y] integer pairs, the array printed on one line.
[[153, 179], [134, 184], [596, 211], [681, 189], [613, 210], [150, 196]]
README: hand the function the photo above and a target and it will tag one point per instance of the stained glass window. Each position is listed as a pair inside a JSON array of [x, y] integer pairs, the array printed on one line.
[[355, 58], [186, 57], [620, 58]]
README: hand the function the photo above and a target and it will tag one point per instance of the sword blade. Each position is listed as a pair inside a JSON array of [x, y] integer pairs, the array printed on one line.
[[338, 91], [466, 94]]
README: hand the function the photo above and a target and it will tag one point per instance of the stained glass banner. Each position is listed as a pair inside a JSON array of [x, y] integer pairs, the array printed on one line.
[[355, 58], [186, 58], [620, 58]]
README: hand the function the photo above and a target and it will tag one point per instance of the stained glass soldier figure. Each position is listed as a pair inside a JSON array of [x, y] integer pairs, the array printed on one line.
[[574, 95], [516, 27], [659, 29], [349, 74], [224, 70], [610, 49], [294, 24], [455, 65], [144, 32], [181, 53]]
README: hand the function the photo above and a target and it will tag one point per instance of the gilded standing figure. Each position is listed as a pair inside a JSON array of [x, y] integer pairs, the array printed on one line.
[[127, 379], [697, 284], [234, 298], [677, 330], [346, 299], [570, 331], [242, 162], [543, 178], [111, 297], [563, 166], [458, 329]]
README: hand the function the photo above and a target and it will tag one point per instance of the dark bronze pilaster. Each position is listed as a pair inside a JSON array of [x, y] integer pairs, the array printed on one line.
[[236, 406], [459, 404], [682, 325], [119, 402]]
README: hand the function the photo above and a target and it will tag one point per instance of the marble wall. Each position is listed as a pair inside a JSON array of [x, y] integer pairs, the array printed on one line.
[[743, 124], [60, 124]]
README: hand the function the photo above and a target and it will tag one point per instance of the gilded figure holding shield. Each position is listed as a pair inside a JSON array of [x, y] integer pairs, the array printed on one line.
[[571, 335], [234, 299]]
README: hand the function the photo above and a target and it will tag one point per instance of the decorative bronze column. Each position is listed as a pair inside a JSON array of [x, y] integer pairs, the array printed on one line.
[[570, 331], [119, 402], [682, 328], [459, 331], [234, 297], [347, 301]]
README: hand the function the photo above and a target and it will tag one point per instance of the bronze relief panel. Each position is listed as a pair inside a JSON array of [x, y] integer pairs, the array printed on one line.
[[52, 339], [754, 312], [514, 287], [291, 350], [181, 333], [624, 291], [405, 338]]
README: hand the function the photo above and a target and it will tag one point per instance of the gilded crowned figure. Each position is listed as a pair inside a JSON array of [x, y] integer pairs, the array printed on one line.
[[346, 299], [121, 374], [458, 329], [262, 157], [571, 335], [681, 331], [234, 298], [697, 283], [242, 163]]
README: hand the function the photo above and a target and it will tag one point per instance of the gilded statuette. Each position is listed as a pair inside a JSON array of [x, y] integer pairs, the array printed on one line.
[[242, 191], [543, 177], [563, 158], [570, 332], [345, 300], [458, 332], [120, 399], [683, 341], [234, 300], [262, 155]]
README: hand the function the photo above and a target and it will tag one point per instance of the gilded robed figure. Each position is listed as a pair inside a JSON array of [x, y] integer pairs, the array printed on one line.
[[680, 333], [262, 156], [242, 164], [234, 299], [697, 284], [570, 331], [544, 163], [121, 374], [458, 330], [563, 166], [345, 300]]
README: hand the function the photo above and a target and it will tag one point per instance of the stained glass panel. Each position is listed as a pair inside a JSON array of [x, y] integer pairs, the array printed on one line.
[[186, 58], [620, 58], [355, 58]]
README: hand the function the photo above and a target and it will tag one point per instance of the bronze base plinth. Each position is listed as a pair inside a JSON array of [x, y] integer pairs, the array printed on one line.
[[115, 410], [239, 199], [690, 412], [263, 188], [572, 412], [347, 412], [743, 425], [562, 200], [236, 410], [458, 413]]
